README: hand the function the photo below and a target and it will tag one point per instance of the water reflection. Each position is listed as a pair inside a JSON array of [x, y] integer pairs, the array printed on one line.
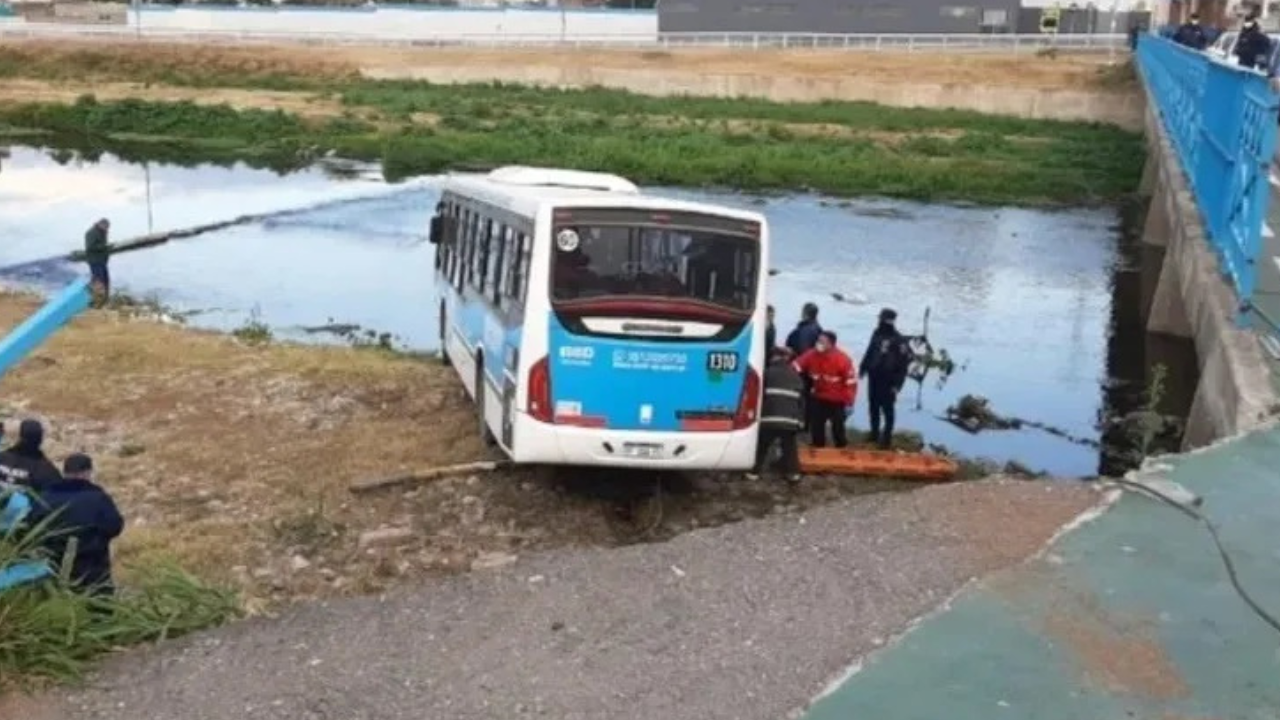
[[1020, 297]]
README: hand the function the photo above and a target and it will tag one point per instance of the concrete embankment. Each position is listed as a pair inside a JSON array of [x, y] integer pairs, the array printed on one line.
[[1184, 295]]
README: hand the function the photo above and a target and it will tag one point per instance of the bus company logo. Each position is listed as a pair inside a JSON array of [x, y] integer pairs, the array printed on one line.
[[652, 328], [567, 240], [577, 354]]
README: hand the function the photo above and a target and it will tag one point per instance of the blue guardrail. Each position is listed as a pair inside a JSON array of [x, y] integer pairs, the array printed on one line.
[[1222, 122]]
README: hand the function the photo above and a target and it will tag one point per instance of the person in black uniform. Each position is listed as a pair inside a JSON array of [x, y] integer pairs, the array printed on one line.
[[1191, 34], [1253, 47], [780, 415], [885, 365], [24, 463], [77, 508]]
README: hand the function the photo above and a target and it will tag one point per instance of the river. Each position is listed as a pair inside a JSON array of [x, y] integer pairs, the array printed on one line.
[[1020, 298]]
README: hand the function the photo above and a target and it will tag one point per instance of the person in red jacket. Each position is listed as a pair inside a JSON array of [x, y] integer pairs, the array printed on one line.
[[834, 382]]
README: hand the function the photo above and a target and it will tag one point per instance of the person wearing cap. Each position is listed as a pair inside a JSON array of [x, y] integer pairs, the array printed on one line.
[[1191, 34], [885, 365], [24, 463], [97, 251], [833, 383], [76, 508]]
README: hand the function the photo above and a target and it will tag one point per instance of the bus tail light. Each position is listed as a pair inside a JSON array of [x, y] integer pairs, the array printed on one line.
[[540, 391], [750, 400]]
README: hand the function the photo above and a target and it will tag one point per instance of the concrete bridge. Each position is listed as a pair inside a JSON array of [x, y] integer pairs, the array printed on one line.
[[1211, 259]]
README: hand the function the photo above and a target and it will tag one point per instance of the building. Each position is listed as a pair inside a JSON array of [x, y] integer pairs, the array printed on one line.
[[838, 16]]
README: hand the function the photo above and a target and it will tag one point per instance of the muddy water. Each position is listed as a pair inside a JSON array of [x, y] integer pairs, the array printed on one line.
[[1020, 298]]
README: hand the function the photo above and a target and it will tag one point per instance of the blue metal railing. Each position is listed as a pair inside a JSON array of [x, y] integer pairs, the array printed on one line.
[[1222, 122]]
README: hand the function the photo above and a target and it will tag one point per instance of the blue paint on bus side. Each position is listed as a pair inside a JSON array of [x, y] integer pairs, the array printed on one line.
[[642, 384]]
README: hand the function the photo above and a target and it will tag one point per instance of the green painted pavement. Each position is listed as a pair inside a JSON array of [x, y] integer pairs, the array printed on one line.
[[1129, 617]]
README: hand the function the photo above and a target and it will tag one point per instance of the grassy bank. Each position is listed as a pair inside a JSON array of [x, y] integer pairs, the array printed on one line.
[[841, 148]]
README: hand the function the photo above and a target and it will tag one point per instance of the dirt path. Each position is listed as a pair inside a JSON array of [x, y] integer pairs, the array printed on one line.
[[745, 621], [71, 57], [43, 91]]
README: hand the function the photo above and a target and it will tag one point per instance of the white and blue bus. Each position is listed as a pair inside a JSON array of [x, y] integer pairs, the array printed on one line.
[[596, 325]]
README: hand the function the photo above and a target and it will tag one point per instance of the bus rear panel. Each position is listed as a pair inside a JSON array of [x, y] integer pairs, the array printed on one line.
[[652, 355]]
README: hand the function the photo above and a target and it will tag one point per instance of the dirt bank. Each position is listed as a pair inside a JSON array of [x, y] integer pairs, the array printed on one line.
[[1070, 87]]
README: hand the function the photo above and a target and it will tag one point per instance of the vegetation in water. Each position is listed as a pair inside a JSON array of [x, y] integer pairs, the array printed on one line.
[[413, 127], [50, 631], [254, 331]]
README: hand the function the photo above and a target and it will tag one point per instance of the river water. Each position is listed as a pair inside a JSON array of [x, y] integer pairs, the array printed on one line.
[[1021, 299]]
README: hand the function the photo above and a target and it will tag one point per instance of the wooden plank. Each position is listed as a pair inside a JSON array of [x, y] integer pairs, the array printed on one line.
[[435, 473]]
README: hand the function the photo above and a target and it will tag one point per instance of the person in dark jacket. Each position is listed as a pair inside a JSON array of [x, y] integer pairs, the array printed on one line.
[[805, 334], [97, 251], [1253, 47], [781, 413], [24, 463], [770, 334], [885, 365], [78, 509], [1191, 34]]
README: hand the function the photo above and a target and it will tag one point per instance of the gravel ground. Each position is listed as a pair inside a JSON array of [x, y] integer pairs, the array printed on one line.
[[748, 621]]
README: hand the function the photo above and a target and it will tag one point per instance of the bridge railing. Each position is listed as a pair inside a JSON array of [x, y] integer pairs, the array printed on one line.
[[1222, 122]]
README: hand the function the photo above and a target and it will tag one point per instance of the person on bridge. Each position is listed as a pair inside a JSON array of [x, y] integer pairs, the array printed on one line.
[[1191, 34], [885, 365], [770, 334], [1253, 47], [25, 463], [834, 384], [75, 507], [97, 251], [780, 415]]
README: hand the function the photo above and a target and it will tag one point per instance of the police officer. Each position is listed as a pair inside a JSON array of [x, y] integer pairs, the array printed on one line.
[[1253, 47], [1190, 34], [25, 463], [76, 507], [885, 365]]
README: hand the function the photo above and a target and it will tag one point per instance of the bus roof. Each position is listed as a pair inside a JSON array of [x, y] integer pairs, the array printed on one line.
[[526, 190]]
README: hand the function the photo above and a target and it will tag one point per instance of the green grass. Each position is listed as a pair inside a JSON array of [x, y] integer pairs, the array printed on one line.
[[840, 148], [50, 632]]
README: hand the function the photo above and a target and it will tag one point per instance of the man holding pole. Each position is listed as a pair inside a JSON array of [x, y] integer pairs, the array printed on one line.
[[96, 252]]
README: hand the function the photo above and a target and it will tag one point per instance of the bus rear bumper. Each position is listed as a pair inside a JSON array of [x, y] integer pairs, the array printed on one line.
[[542, 443]]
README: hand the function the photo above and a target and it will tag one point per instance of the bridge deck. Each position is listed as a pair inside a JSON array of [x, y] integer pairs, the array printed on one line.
[[1130, 616]]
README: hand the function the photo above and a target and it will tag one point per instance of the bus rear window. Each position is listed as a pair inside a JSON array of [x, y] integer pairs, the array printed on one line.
[[605, 261]]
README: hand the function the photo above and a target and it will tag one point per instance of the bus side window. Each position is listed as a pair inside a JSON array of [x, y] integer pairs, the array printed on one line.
[[521, 284], [483, 238], [498, 270]]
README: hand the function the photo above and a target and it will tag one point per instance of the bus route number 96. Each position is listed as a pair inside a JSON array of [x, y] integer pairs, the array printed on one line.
[[725, 362]]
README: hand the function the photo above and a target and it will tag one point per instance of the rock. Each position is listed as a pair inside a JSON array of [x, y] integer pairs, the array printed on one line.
[[492, 561], [298, 563], [385, 537]]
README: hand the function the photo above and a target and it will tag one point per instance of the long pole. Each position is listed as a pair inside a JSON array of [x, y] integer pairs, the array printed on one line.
[[146, 168], [137, 18]]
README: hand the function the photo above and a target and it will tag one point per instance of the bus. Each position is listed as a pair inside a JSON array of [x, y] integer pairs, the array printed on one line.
[[593, 324]]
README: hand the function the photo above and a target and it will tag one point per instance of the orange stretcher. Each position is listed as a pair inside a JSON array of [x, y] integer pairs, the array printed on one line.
[[876, 463]]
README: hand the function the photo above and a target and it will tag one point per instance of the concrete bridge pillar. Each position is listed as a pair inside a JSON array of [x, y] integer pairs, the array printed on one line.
[[1185, 295]]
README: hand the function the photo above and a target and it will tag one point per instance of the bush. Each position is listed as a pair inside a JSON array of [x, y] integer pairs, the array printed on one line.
[[51, 631]]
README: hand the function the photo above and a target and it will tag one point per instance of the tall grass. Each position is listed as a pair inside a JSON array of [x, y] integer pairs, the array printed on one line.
[[51, 631]]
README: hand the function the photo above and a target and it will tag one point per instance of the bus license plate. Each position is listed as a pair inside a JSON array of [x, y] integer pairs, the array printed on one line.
[[642, 451]]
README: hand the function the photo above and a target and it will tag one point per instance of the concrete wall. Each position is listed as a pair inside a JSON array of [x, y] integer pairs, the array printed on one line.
[[1185, 295], [1123, 109], [393, 21], [835, 16]]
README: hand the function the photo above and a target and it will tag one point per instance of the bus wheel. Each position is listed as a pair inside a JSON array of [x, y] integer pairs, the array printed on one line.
[[444, 338], [486, 436]]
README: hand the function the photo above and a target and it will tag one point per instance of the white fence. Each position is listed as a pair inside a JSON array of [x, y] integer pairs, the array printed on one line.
[[427, 37]]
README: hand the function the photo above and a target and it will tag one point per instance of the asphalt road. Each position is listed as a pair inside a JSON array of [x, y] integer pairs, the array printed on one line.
[[744, 621]]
